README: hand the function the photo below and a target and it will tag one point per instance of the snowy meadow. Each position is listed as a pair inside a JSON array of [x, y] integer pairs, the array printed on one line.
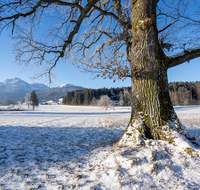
[[74, 147]]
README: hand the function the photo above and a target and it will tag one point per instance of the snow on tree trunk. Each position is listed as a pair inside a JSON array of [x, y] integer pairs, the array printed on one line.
[[152, 115]]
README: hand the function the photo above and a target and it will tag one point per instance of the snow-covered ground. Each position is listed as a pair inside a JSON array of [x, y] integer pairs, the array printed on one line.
[[72, 147]]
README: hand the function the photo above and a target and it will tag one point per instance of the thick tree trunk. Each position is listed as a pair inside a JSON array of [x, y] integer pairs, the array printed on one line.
[[152, 115]]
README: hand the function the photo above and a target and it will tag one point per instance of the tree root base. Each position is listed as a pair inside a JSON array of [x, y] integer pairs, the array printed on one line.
[[173, 132]]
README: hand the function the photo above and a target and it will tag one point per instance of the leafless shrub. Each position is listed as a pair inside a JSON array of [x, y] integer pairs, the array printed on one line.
[[105, 102]]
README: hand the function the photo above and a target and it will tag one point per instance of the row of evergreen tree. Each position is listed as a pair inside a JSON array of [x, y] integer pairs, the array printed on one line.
[[90, 96], [181, 93]]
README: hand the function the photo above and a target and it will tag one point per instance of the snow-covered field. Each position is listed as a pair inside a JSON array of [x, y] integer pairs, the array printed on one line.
[[71, 147]]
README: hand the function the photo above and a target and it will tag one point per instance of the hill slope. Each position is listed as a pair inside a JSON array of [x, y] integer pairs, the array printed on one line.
[[56, 93]]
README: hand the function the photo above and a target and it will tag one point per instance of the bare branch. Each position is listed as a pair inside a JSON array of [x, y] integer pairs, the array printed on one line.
[[107, 13], [16, 16], [118, 8], [122, 22], [183, 57], [68, 4], [83, 14], [168, 26]]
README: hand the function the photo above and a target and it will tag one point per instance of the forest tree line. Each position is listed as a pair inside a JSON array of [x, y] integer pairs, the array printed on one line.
[[91, 96], [181, 93], [185, 93]]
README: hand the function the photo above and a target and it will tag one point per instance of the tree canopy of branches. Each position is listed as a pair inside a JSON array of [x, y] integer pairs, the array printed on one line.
[[140, 39]]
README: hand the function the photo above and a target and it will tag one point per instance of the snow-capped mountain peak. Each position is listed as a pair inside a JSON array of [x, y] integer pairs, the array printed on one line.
[[10, 85], [64, 85]]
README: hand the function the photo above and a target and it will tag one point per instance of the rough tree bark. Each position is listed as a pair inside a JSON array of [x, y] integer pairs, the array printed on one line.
[[153, 115]]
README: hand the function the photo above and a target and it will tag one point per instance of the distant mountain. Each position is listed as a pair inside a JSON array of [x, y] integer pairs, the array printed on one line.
[[15, 89], [15, 84]]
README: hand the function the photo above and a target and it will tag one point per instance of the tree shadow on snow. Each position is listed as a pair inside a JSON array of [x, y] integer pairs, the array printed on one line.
[[47, 145]]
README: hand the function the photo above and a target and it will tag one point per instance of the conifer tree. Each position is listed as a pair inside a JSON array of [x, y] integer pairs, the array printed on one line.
[[69, 98], [77, 98], [86, 97], [34, 100]]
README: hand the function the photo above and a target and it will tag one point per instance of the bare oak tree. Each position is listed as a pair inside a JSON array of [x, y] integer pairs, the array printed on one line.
[[140, 39]]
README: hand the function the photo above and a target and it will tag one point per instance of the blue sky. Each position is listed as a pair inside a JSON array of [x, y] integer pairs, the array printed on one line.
[[65, 74]]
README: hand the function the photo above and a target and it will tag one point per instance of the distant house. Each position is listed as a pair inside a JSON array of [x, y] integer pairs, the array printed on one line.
[[60, 101], [50, 102], [116, 103]]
